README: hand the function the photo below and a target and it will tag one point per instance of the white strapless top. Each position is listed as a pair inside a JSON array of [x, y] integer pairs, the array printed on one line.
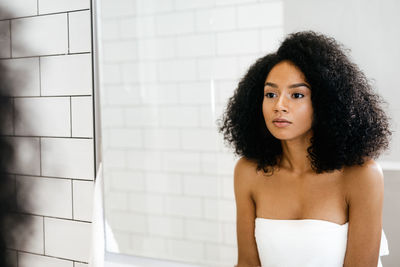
[[305, 242]]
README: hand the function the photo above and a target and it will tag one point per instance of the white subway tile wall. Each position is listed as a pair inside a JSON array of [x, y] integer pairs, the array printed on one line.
[[46, 47], [168, 69]]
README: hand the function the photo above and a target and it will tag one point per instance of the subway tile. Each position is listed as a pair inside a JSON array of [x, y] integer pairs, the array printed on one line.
[[233, 2], [150, 7], [11, 258], [181, 161], [116, 201], [27, 233], [177, 70], [125, 138], [117, 9], [67, 239], [166, 226], [83, 200], [196, 45], [205, 139], [196, 92], [114, 158], [111, 73], [144, 160], [138, 27], [26, 157], [210, 114], [110, 29], [220, 209], [66, 75], [33, 260], [271, 38], [219, 163], [175, 23], [82, 116], [43, 116], [122, 95], [146, 203], [44, 196], [53, 6], [194, 4], [28, 68], [127, 181], [185, 206], [161, 138], [5, 41], [18, 8], [217, 68], [185, 249], [66, 157], [158, 48], [41, 35], [127, 221], [6, 121], [260, 15], [203, 230], [142, 116], [112, 117], [145, 244], [201, 185], [8, 192], [142, 72], [238, 42], [160, 94], [80, 264], [229, 233], [80, 36], [215, 19], [179, 116], [120, 51], [163, 182]]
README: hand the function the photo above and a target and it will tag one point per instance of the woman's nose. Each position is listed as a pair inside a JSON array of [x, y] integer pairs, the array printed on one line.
[[280, 104]]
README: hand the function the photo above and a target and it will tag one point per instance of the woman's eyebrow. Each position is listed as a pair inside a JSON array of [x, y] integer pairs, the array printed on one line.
[[291, 86]]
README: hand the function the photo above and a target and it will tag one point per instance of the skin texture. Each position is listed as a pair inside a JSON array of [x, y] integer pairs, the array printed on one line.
[[287, 95], [295, 191]]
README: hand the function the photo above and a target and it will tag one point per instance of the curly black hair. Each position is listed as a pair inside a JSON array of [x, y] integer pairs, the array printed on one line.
[[349, 123]]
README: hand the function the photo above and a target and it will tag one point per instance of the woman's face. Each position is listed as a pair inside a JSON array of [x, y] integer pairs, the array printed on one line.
[[287, 96]]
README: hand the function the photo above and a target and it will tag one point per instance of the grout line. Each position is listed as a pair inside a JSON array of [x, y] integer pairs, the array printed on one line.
[[49, 256], [13, 115], [44, 136], [35, 96], [44, 239], [47, 55], [40, 155], [68, 32], [70, 115], [40, 77], [95, 68], [10, 40], [46, 14], [46, 176], [72, 198]]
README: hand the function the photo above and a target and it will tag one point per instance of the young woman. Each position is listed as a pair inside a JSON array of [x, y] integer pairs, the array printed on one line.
[[308, 127]]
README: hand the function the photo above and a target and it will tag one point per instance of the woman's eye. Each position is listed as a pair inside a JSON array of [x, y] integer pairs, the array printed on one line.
[[298, 95], [269, 95]]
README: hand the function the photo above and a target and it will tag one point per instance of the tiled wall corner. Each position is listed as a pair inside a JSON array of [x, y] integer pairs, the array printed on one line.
[[46, 47]]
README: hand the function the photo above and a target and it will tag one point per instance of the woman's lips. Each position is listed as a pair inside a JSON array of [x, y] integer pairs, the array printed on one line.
[[281, 124]]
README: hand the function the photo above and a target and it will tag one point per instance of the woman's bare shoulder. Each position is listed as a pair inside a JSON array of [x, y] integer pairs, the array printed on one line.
[[246, 166], [363, 176]]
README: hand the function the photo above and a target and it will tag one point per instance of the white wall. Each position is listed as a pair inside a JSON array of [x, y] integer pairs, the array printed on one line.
[[168, 68], [47, 46]]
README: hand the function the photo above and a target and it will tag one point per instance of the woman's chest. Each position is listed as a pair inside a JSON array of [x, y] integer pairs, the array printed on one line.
[[315, 197]]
